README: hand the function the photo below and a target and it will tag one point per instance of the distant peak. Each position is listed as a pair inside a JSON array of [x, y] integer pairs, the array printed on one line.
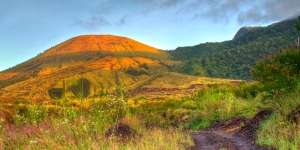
[[244, 32], [100, 43], [104, 36]]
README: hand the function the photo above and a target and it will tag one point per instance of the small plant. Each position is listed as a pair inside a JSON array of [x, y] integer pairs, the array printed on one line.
[[31, 114]]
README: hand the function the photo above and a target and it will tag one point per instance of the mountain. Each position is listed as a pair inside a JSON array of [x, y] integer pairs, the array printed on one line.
[[100, 43], [102, 51], [99, 58], [235, 58], [95, 65]]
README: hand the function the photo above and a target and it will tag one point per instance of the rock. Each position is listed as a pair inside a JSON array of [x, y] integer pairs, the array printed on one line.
[[121, 130], [294, 116]]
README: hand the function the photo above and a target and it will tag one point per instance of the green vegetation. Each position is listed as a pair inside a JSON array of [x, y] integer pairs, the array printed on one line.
[[280, 131], [279, 73], [160, 123], [280, 78], [196, 112], [298, 28], [81, 88], [56, 93], [235, 58], [67, 127]]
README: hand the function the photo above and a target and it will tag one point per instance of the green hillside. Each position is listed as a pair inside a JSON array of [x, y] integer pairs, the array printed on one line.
[[234, 58]]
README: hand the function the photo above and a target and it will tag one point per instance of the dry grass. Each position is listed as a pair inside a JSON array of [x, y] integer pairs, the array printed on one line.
[[64, 134]]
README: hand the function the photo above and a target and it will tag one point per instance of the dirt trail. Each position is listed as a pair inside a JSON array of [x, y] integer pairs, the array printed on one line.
[[235, 134]]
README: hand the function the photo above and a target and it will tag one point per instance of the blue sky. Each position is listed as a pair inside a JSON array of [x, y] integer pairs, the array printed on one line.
[[29, 27]]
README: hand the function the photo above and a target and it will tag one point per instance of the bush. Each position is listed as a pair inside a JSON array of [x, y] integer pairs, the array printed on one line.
[[136, 71], [81, 88], [56, 93], [249, 90], [279, 73], [194, 67], [106, 112], [30, 114], [220, 103]]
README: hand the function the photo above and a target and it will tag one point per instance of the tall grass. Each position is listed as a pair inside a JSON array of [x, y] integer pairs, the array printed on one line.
[[195, 112], [64, 126], [279, 131], [159, 124], [80, 134]]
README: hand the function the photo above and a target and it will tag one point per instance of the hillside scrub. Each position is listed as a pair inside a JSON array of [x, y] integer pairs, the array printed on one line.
[[195, 112], [279, 77], [279, 73], [162, 123], [48, 127], [159, 123]]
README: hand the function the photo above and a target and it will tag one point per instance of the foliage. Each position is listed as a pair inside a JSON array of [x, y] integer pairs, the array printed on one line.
[[32, 114], [194, 67], [136, 71], [278, 131], [298, 24], [195, 112], [56, 93], [81, 88], [221, 103], [235, 58], [279, 73], [249, 90]]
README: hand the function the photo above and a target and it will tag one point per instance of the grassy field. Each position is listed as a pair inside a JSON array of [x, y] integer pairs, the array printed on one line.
[[161, 123], [83, 124]]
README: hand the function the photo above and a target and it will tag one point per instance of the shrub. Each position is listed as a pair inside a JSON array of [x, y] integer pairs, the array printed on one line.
[[30, 114], [56, 93], [81, 88], [279, 73], [106, 112], [194, 67], [249, 90], [220, 103], [279, 131], [136, 71]]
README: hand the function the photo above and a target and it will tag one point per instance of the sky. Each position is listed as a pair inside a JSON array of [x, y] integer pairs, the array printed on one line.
[[29, 27]]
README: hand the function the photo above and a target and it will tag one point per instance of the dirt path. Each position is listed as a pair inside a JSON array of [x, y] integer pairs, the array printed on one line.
[[235, 134]]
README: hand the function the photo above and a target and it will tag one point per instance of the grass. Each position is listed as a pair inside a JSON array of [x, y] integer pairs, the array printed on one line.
[[279, 131], [194, 112], [86, 131], [162, 123]]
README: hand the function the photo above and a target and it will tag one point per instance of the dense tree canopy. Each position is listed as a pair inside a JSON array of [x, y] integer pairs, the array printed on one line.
[[235, 58]]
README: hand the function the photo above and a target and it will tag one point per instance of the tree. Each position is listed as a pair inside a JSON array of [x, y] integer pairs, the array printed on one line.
[[298, 28], [81, 88], [279, 73]]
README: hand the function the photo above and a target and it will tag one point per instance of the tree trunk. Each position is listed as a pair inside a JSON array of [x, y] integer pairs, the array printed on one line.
[[298, 42]]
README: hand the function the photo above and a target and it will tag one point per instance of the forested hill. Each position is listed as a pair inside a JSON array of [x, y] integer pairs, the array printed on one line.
[[235, 58]]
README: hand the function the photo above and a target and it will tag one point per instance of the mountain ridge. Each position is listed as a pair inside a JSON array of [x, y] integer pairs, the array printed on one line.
[[235, 58]]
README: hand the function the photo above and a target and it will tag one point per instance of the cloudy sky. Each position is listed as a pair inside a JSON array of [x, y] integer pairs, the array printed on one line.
[[28, 27]]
